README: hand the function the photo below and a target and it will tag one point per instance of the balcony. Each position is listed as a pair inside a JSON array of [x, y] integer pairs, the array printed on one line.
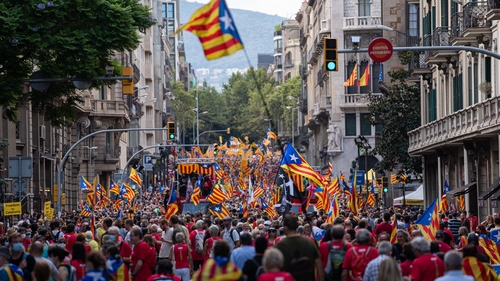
[[493, 10], [108, 108], [137, 73], [278, 51], [456, 28], [322, 76], [278, 33], [440, 37], [288, 64], [475, 21], [355, 100], [478, 120], [354, 23], [417, 65]]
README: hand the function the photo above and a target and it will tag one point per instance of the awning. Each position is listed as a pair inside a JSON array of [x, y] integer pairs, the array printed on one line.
[[462, 190], [491, 190]]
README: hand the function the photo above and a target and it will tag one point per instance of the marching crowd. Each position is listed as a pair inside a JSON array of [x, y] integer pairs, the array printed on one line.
[[203, 247]]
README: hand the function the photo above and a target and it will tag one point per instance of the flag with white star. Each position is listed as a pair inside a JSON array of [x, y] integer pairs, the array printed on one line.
[[219, 210], [215, 27], [293, 163], [428, 222]]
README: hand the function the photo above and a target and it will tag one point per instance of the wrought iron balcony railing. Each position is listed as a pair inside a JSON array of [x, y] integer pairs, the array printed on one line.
[[457, 25], [475, 14]]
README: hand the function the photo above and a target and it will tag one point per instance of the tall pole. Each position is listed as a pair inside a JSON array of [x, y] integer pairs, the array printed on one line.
[[293, 139], [197, 114]]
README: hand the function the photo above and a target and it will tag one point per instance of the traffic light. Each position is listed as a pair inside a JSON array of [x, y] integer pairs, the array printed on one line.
[[330, 53], [127, 85], [171, 130], [216, 149], [385, 189]]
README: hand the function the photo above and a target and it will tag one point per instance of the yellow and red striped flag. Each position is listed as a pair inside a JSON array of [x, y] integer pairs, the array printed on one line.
[[215, 28], [172, 207], [352, 78], [257, 192], [195, 197], [444, 203], [394, 178], [271, 135], [365, 78], [220, 211], [473, 267], [135, 177], [293, 163], [117, 205], [394, 230], [217, 195], [428, 222], [113, 187], [461, 202]]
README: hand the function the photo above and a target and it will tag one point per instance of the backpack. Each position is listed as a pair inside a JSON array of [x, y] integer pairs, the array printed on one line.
[[260, 269], [333, 268], [199, 241], [231, 234], [301, 267], [71, 272], [359, 260], [56, 238]]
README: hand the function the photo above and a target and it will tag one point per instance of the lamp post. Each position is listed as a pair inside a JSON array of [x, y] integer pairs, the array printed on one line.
[[197, 113], [293, 139], [363, 146], [197, 125], [415, 40]]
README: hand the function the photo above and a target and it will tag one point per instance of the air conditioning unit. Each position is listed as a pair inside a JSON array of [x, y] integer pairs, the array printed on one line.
[[325, 27], [42, 132]]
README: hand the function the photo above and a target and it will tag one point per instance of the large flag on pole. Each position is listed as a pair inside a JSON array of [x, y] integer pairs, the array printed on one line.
[[84, 184], [172, 207], [214, 26], [135, 177], [352, 78], [428, 222], [292, 162]]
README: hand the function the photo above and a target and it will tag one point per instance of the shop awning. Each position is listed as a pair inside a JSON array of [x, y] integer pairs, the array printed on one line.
[[491, 190], [462, 190]]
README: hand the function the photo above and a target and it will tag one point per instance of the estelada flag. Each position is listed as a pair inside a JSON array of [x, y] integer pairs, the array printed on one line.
[[214, 26]]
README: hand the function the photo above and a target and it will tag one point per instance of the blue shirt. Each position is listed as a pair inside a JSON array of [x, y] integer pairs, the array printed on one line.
[[95, 275], [240, 255], [455, 275]]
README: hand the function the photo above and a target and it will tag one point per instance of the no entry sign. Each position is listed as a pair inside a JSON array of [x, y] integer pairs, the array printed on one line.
[[380, 50]]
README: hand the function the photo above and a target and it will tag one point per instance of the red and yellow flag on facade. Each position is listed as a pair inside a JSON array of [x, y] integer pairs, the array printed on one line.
[[365, 78], [352, 78], [214, 26]]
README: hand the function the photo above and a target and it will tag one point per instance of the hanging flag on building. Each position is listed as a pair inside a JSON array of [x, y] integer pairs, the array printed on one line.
[[214, 26], [444, 202], [354, 75], [365, 78]]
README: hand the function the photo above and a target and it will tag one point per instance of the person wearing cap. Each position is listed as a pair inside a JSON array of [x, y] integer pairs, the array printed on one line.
[[7, 269], [443, 247], [231, 235]]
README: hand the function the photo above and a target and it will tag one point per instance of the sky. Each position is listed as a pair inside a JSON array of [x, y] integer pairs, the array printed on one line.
[[283, 8]]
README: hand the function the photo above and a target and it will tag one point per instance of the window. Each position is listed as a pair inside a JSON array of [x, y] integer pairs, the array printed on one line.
[[412, 20], [102, 93], [476, 84], [366, 129], [433, 18], [171, 10], [350, 124], [487, 69], [108, 142], [364, 8], [457, 92], [444, 12], [431, 105], [470, 94], [171, 28], [350, 67], [164, 10], [377, 75]]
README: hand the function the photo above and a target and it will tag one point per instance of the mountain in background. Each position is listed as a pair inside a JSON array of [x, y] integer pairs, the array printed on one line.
[[255, 29]]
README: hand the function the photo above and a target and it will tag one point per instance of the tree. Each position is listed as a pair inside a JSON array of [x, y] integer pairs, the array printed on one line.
[[398, 112], [183, 106], [63, 38]]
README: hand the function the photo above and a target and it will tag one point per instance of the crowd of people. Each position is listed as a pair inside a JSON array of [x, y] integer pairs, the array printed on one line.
[[204, 247]]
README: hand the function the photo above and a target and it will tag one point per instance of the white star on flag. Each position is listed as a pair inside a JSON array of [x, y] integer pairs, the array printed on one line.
[[228, 22], [293, 158], [217, 209], [497, 236]]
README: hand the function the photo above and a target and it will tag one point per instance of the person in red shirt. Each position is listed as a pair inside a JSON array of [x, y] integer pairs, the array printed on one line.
[[474, 222], [337, 243], [156, 235], [70, 237], [384, 226], [443, 247], [358, 257], [198, 258], [123, 247], [273, 262], [140, 252], [78, 260], [426, 266], [181, 254], [407, 265], [210, 242], [164, 269]]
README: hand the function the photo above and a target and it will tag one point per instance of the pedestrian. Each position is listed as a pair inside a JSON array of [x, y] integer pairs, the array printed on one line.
[[453, 268], [388, 271], [231, 235], [210, 242], [181, 255], [164, 271], [472, 266], [96, 268], [7, 269], [273, 262], [426, 266], [41, 272], [358, 257], [240, 255], [115, 265], [219, 266], [197, 244], [140, 252], [253, 267], [19, 257]]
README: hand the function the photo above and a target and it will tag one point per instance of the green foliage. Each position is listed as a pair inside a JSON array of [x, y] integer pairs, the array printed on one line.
[[278, 27], [62, 38], [398, 112]]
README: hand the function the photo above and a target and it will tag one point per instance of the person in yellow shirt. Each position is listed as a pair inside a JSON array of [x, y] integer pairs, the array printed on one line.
[[91, 241]]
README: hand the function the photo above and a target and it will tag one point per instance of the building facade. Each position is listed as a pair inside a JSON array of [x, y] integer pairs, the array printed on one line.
[[459, 134], [334, 112]]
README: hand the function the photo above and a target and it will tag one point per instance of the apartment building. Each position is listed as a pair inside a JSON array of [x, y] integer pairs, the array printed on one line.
[[458, 138], [335, 113]]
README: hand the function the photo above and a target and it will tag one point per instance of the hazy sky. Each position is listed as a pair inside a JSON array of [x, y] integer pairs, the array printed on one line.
[[284, 8]]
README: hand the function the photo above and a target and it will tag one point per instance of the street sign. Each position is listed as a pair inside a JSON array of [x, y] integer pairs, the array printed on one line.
[[360, 177], [147, 161], [380, 49], [20, 186], [20, 167], [12, 209]]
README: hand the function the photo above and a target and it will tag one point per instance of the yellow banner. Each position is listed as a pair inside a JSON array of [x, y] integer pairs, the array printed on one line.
[[12, 209]]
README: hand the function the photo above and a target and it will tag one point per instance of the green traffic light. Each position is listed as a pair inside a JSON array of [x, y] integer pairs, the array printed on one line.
[[332, 65], [386, 189], [171, 136]]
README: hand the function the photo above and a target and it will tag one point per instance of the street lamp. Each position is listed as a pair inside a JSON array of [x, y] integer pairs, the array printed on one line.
[[293, 139], [90, 159], [197, 124], [363, 146], [415, 40], [141, 88]]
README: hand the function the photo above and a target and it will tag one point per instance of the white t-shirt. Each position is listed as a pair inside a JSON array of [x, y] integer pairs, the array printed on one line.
[[165, 247], [61, 233], [127, 237]]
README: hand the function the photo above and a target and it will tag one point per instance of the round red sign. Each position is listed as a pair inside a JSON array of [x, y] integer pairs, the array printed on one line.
[[380, 49]]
